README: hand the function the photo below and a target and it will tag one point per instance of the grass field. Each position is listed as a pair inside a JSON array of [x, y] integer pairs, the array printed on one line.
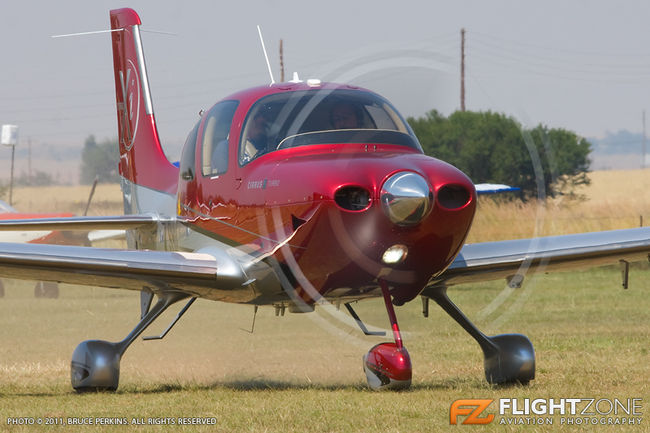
[[614, 200], [303, 372], [107, 199]]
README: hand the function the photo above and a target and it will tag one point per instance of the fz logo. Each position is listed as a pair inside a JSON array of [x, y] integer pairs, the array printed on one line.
[[472, 409], [129, 105]]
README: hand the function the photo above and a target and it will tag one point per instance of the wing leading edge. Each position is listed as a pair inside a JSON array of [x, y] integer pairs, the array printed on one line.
[[211, 276], [120, 222], [495, 260]]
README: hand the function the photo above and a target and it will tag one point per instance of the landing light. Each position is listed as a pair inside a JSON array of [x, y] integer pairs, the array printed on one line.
[[395, 254]]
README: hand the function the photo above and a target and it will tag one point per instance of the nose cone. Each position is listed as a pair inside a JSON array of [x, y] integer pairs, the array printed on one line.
[[406, 198]]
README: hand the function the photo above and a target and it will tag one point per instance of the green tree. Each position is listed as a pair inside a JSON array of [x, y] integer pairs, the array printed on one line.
[[99, 160], [38, 178], [492, 147]]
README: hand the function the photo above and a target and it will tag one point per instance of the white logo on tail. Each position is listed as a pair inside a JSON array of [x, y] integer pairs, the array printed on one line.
[[126, 108]]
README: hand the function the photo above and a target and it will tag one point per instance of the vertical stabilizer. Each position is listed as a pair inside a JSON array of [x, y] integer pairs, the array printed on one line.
[[143, 164]]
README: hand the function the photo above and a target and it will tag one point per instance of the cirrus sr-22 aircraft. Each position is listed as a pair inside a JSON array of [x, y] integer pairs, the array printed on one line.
[[289, 195]]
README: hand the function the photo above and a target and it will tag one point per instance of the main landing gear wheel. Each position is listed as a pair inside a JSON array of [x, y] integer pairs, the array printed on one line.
[[388, 365], [95, 364], [509, 358]]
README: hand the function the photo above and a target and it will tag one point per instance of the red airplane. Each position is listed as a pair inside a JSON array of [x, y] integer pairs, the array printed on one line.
[[43, 289], [46, 236], [291, 195], [50, 289]]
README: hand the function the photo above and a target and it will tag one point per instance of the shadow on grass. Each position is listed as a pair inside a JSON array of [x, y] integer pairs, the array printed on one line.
[[243, 385], [261, 384]]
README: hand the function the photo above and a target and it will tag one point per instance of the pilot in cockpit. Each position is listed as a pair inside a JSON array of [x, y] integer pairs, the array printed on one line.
[[345, 116], [256, 142]]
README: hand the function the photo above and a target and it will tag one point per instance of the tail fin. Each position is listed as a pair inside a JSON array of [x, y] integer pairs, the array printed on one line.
[[142, 160]]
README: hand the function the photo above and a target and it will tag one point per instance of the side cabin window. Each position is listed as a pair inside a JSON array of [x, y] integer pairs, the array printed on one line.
[[216, 129], [321, 116], [188, 157]]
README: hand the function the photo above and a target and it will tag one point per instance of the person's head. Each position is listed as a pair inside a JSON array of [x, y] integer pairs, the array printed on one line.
[[258, 125], [344, 116]]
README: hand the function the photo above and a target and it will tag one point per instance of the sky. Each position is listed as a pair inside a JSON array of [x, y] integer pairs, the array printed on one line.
[[580, 65]]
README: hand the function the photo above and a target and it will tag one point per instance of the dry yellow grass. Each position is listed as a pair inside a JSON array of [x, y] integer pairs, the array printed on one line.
[[107, 199], [614, 200]]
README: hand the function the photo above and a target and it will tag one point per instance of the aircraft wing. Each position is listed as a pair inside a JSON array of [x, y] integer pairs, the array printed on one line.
[[83, 223], [494, 188], [100, 228], [212, 276], [495, 260]]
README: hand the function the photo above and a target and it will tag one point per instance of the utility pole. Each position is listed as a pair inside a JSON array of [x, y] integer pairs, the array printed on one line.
[[281, 63], [9, 137], [11, 181], [29, 159], [462, 69]]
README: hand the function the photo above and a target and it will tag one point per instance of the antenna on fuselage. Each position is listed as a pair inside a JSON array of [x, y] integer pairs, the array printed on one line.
[[266, 56]]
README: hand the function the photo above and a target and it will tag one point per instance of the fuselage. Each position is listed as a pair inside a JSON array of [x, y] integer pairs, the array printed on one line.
[[330, 206]]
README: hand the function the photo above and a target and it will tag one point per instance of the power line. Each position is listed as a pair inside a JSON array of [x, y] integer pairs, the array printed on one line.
[[494, 54], [525, 46]]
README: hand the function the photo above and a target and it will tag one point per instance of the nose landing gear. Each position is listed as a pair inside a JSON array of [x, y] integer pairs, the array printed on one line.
[[508, 358], [388, 365]]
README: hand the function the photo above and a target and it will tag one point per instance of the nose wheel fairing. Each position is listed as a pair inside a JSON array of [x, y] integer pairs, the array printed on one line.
[[388, 365]]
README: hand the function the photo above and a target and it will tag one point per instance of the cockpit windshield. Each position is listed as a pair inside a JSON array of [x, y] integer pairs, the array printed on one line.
[[321, 116]]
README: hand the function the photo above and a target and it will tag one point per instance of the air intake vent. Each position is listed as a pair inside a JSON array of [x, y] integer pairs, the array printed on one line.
[[453, 196], [352, 198]]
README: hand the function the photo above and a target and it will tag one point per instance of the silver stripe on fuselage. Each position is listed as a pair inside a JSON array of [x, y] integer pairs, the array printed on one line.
[[144, 80]]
